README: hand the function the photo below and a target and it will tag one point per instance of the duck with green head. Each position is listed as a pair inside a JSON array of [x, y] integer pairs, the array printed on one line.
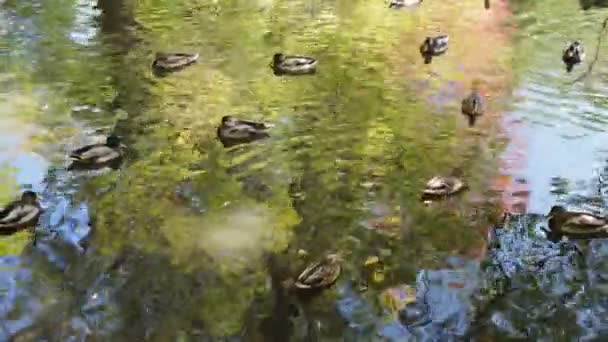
[[433, 47], [20, 214], [168, 62], [233, 131], [293, 65], [573, 54], [575, 224], [97, 156]]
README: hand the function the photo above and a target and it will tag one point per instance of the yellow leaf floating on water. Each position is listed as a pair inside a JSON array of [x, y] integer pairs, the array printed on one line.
[[396, 298], [372, 260]]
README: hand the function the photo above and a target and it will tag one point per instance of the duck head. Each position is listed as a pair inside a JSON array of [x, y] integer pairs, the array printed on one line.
[[557, 216], [557, 210], [334, 258], [228, 120], [161, 55], [278, 58], [29, 197], [113, 141]]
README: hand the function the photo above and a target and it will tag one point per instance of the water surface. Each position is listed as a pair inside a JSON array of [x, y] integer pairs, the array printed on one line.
[[192, 241]]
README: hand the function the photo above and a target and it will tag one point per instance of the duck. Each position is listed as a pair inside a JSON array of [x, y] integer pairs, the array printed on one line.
[[97, 156], [293, 65], [19, 214], [233, 131], [442, 186], [434, 46], [574, 54], [575, 224], [321, 274], [167, 62], [398, 4], [473, 106], [588, 4]]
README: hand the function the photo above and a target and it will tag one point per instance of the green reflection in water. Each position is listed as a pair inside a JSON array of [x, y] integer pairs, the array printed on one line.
[[352, 143]]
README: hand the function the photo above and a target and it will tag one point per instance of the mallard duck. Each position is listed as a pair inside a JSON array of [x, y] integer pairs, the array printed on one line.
[[293, 65], [576, 225], [587, 4], [97, 156], [233, 131], [20, 214], [573, 54], [440, 186], [398, 4], [415, 314], [473, 106], [434, 46], [321, 274], [167, 62]]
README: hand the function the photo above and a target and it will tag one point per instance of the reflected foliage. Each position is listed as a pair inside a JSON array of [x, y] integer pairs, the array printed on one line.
[[195, 225]]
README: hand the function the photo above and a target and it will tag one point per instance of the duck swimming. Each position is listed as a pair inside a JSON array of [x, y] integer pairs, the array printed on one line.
[[575, 225], [473, 106], [293, 65], [573, 54], [398, 4], [321, 274], [97, 156], [169, 62], [20, 214], [233, 131], [440, 186], [433, 47]]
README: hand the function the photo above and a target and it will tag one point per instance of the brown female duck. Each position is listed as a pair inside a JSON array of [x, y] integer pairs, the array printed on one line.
[[441, 187], [20, 214], [473, 106], [233, 131], [321, 274], [576, 224], [169, 62], [293, 65]]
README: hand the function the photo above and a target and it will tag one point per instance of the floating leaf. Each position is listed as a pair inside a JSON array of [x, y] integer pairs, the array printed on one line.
[[371, 260], [396, 298]]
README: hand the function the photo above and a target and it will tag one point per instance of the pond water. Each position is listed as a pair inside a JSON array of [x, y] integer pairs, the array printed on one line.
[[192, 241]]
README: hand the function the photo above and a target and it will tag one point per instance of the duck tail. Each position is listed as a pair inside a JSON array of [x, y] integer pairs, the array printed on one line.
[[472, 119], [75, 156], [7, 229]]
